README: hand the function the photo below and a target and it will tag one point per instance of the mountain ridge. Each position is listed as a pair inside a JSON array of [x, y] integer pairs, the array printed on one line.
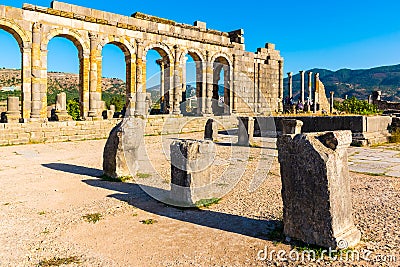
[[356, 82]]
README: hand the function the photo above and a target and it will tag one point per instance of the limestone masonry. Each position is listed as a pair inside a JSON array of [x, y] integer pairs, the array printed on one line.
[[253, 82]]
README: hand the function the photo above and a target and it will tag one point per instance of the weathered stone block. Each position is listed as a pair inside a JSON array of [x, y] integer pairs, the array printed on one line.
[[291, 126], [245, 130], [211, 130], [316, 188], [190, 170], [122, 148]]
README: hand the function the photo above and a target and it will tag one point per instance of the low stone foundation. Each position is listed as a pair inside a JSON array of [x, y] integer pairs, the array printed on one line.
[[50, 132]]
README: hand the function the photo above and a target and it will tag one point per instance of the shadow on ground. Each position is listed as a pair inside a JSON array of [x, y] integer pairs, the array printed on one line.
[[135, 195], [70, 168]]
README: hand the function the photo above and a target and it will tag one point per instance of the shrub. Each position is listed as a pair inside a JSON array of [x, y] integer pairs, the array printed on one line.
[[74, 109], [354, 106]]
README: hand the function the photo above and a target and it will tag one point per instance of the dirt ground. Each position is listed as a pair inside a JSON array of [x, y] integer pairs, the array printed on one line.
[[48, 189]]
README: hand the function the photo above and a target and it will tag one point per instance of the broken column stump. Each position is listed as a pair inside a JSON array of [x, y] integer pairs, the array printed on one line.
[[122, 148], [316, 190], [190, 170], [61, 113], [245, 131], [211, 130], [13, 113]]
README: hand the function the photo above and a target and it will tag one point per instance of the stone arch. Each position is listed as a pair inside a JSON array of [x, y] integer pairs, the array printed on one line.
[[166, 64], [130, 55], [24, 42], [221, 56], [76, 38], [162, 49], [23, 39], [83, 46], [121, 42], [222, 104], [193, 103], [194, 53]]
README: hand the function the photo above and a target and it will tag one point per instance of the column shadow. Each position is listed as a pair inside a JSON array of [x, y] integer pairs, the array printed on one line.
[[135, 194]]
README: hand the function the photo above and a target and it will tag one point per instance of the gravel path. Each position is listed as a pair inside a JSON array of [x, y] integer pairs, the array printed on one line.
[[48, 188]]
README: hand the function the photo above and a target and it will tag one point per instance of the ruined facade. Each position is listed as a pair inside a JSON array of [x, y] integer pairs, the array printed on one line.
[[253, 82]]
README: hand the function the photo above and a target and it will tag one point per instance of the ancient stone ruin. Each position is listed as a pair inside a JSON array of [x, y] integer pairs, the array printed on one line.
[[211, 130], [120, 156], [316, 189], [190, 170], [253, 82]]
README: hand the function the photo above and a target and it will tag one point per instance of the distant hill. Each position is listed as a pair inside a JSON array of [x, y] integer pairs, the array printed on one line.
[[358, 83], [59, 81]]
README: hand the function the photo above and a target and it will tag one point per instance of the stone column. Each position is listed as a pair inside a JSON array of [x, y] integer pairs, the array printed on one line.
[[331, 101], [309, 90], [84, 77], [177, 82], [130, 61], [94, 96], [370, 99], [204, 88], [210, 79], [316, 190], [140, 81], [26, 76], [160, 62], [13, 113], [290, 84], [190, 171], [316, 91], [302, 86], [36, 71], [245, 131], [346, 97]]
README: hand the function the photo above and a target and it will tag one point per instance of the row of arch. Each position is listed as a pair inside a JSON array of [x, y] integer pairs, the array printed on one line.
[[208, 72]]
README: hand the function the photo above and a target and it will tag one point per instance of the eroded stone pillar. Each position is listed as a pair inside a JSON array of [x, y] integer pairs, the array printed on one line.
[[190, 170], [211, 130], [331, 101], [122, 148], [245, 131], [13, 113], [316, 189], [290, 84], [61, 113], [302, 98]]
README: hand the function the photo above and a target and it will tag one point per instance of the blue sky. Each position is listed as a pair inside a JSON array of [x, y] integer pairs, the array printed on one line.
[[310, 34]]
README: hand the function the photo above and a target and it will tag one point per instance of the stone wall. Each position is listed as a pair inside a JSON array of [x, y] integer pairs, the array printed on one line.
[[253, 82], [50, 132], [366, 130]]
